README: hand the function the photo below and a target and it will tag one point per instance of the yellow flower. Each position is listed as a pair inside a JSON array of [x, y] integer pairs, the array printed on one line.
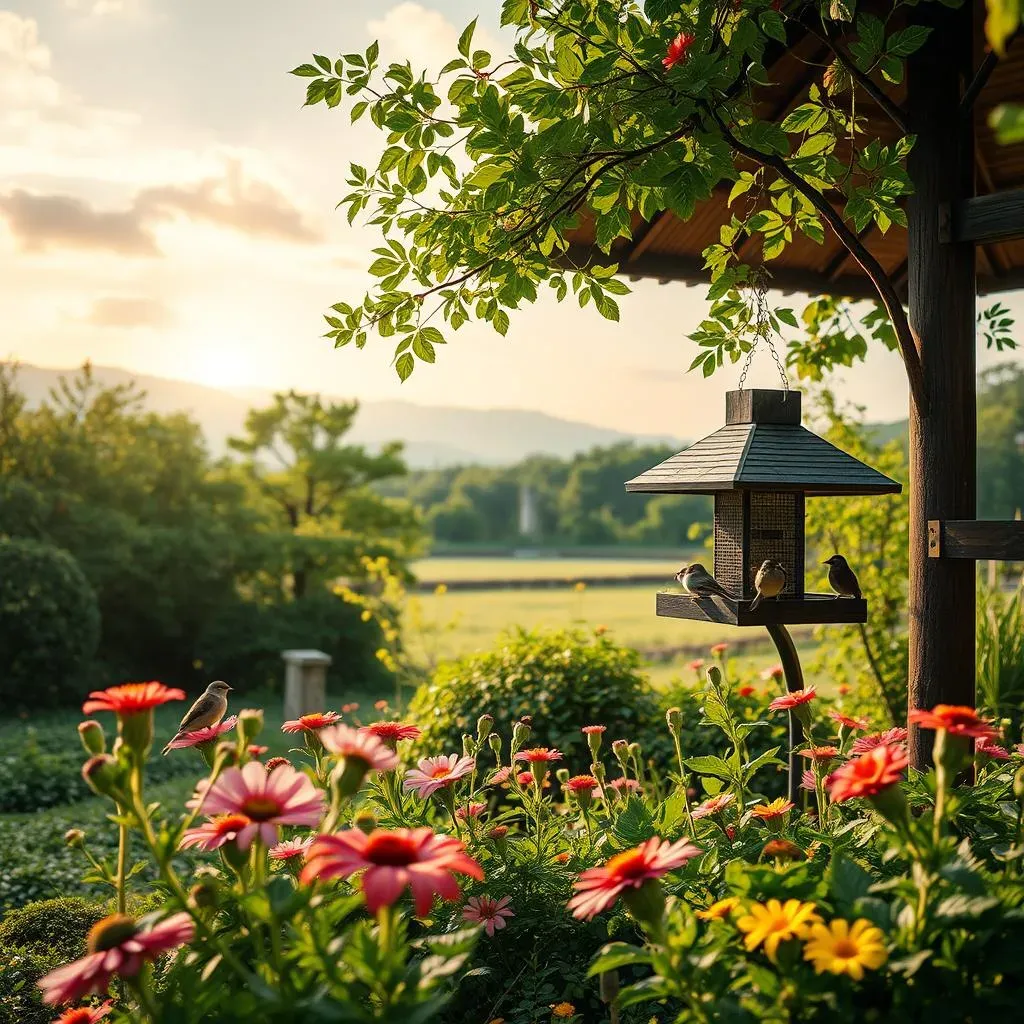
[[441, 589], [579, 588], [774, 922], [843, 948], [719, 910], [776, 809], [563, 1009], [366, 615]]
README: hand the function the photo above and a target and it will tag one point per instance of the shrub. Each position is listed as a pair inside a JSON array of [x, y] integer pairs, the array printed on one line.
[[563, 679], [49, 624], [34, 940]]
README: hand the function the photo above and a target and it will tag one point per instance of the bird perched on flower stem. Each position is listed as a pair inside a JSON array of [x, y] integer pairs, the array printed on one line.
[[208, 710], [698, 582], [769, 581], [841, 578]]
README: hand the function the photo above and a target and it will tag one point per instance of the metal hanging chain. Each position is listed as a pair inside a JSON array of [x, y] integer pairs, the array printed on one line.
[[762, 330]]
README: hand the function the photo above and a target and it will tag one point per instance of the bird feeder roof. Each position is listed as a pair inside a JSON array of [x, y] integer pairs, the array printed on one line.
[[763, 447]]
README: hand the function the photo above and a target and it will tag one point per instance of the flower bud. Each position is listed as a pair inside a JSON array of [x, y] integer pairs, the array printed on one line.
[[365, 820], [495, 742], [620, 748], [91, 735], [499, 836], [276, 762], [562, 774], [250, 723], [634, 751], [204, 895], [348, 776], [674, 718], [468, 745], [521, 732], [136, 731], [647, 903], [594, 734], [227, 751], [74, 838], [484, 725], [597, 770], [103, 775], [782, 849]]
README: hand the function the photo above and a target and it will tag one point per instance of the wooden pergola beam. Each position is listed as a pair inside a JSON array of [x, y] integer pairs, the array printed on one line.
[[994, 218], [1001, 540]]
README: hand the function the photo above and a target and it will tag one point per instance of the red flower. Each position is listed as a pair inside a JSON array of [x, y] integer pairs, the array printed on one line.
[[877, 739], [580, 783], [115, 946], [500, 777], [380, 705], [783, 849], [591, 730], [392, 732], [131, 698], [538, 754], [525, 779], [598, 888], [955, 719], [498, 832], [276, 762], [357, 745], [403, 858], [312, 722], [349, 708], [847, 722], [746, 690], [697, 664], [842, 689], [434, 773], [719, 648], [989, 749], [793, 700], [84, 1014], [255, 749], [868, 774], [207, 735], [218, 831], [817, 754]]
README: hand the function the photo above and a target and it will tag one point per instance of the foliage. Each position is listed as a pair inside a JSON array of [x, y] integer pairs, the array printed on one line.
[[319, 488], [873, 534], [1000, 677], [492, 163], [49, 623], [1000, 441], [561, 678]]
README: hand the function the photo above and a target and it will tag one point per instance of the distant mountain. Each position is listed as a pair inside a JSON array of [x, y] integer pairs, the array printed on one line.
[[434, 436]]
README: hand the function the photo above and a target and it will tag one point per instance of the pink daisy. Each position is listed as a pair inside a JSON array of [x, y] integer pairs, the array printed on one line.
[[312, 722], [539, 755], [879, 739], [291, 848], [488, 912], [115, 945], [218, 831], [793, 700], [808, 781], [591, 730], [598, 888], [470, 811], [714, 805], [391, 732], [131, 698], [987, 748], [279, 797], [403, 858], [356, 744], [193, 739], [500, 777], [434, 773]]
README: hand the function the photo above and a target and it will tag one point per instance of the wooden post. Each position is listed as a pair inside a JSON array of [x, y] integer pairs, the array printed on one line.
[[941, 284], [794, 676]]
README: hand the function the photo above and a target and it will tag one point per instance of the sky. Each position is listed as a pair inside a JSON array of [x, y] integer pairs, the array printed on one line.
[[167, 205]]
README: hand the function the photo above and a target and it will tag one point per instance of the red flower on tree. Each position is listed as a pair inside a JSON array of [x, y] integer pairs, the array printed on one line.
[[955, 719], [868, 774], [678, 50]]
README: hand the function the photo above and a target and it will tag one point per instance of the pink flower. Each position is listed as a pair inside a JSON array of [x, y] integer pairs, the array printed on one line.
[[697, 664], [808, 781], [879, 739], [218, 831], [526, 779], [256, 749], [488, 912], [500, 777], [291, 848], [714, 805], [868, 774], [193, 739], [115, 945], [537, 755], [349, 708], [279, 797], [355, 744], [847, 722], [591, 730], [775, 672], [312, 722], [987, 748], [598, 888], [85, 1014], [624, 785], [470, 811], [380, 705], [719, 648], [581, 784], [434, 773], [793, 700], [391, 732], [820, 754], [413, 858]]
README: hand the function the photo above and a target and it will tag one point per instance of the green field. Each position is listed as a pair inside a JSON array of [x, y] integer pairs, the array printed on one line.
[[444, 570]]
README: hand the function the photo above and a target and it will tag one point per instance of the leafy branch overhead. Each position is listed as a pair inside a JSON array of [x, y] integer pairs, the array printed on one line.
[[606, 113]]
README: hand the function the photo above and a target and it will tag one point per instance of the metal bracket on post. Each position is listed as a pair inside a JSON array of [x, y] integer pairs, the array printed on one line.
[[794, 676]]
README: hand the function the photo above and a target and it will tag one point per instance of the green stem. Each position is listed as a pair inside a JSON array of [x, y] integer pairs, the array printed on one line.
[[684, 780], [122, 860]]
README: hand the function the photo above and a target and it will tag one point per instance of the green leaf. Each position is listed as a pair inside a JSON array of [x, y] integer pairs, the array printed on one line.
[[405, 364], [1007, 121], [323, 61], [466, 39], [422, 348], [306, 71], [772, 25], [907, 41], [616, 955], [500, 322], [787, 317], [709, 764], [759, 762], [848, 881]]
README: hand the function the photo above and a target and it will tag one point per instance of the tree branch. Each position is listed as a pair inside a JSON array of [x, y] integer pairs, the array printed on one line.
[[879, 278]]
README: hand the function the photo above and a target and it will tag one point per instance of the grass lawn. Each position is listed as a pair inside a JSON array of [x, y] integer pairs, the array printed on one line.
[[444, 570]]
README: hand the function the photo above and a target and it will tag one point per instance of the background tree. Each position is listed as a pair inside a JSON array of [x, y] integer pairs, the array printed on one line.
[[319, 489]]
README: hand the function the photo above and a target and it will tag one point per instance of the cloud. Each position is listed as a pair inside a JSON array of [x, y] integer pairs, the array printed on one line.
[[248, 206], [116, 311], [423, 36], [43, 222], [98, 8]]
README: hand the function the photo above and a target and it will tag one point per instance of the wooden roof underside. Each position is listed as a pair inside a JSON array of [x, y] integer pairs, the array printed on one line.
[[669, 249]]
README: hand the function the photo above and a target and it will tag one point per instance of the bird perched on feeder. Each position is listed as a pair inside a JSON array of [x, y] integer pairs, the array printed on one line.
[[698, 582], [769, 581], [208, 710], [841, 578]]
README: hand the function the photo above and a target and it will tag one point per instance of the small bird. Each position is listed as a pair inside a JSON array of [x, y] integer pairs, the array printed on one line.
[[698, 582], [841, 578], [769, 581], [208, 710]]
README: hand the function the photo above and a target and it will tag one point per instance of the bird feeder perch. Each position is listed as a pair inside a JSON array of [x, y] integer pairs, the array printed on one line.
[[760, 467]]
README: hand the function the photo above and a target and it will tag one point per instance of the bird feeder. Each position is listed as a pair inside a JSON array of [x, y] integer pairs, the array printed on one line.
[[760, 467]]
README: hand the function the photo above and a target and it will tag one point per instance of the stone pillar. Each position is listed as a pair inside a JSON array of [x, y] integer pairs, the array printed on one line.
[[305, 682]]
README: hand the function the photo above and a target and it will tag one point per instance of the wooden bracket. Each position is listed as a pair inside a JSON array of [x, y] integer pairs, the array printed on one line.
[[998, 217], [1001, 540]]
